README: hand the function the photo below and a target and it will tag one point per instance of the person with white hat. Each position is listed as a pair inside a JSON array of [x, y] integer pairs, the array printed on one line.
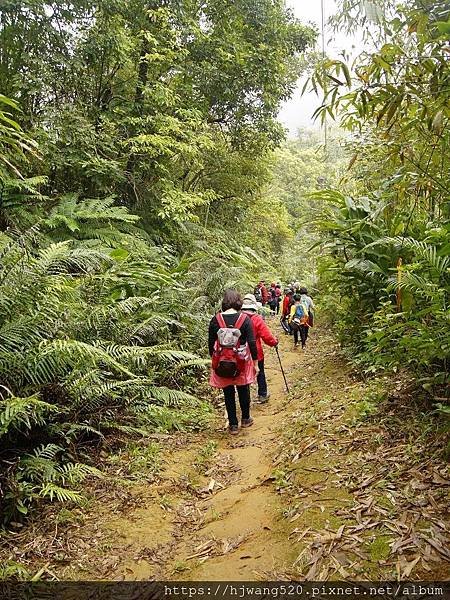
[[262, 334]]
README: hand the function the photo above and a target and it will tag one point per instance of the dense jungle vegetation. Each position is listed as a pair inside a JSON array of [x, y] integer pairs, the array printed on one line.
[[142, 171]]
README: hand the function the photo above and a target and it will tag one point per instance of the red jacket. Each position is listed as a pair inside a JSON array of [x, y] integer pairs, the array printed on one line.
[[264, 294], [262, 332], [286, 302]]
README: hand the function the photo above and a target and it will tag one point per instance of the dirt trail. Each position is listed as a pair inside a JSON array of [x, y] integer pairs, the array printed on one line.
[[237, 531], [312, 490], [249, 510]]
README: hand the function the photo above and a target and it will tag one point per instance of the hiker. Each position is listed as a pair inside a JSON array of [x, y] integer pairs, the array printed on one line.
[[261, 294], [258, 293], [264, 292], [232, 347], [301, 316], [286, 309], [272, 299], [310, 304], [262, 334], [278, 295]]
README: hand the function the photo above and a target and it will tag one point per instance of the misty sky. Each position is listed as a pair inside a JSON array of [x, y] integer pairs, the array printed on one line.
[[297, 112]]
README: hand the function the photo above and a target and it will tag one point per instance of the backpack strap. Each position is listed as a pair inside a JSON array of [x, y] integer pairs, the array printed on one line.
[[221, 321], [240, 321], [237, 325]]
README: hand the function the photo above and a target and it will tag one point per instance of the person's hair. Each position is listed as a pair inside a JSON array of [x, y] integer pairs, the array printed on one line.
[[278, 286], [297, 297], [231, 299], [303, 290]]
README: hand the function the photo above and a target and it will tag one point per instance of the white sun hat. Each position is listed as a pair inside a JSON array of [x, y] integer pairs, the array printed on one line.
[[250, 303]]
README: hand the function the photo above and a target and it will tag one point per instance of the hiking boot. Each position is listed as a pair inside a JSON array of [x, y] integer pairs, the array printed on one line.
[[233, 429], [247, 422], [263, 399]]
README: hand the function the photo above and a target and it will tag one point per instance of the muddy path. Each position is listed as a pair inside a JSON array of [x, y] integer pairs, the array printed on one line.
[[340, 479]]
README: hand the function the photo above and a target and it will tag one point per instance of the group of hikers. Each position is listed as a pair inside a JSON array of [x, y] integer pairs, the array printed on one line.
[[236, 336]]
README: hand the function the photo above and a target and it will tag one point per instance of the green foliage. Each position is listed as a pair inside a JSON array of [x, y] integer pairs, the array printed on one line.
[[206, 456], [21, 414], [42, 475], [11, 570], [301, 167], [14, 143], [140, 461], [86, 345], [387, 240], [162, 105], [375, 393]]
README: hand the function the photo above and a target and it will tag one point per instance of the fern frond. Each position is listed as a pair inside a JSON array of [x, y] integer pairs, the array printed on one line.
[[66, 352], [18, 413], [71, 429], [47, 451], [77, 472], [421, 249], [62, 258], [55, 492], [168, 396], [416, 283]]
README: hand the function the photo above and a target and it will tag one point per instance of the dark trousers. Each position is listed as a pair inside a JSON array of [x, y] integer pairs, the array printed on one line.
[[230, 402], [261, 378], [285, 325], [278, 306], [303, 330]]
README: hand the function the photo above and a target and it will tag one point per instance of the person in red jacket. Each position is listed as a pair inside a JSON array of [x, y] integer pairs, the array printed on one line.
[[286, 309], [264, 293], [262, 334], [278, 297]]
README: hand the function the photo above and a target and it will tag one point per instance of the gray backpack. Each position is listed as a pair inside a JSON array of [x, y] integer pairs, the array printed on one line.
[[229, 356]]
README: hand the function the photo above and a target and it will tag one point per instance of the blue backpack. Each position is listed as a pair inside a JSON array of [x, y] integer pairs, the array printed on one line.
[[301, 316]]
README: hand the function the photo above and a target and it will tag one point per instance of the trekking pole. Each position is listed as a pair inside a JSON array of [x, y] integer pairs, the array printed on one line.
[[282, 370]]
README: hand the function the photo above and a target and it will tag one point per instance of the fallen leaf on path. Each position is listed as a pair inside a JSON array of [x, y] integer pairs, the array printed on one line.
[[295, 517], [410, 566], [437, 478], [299, 557], [443, 551]]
